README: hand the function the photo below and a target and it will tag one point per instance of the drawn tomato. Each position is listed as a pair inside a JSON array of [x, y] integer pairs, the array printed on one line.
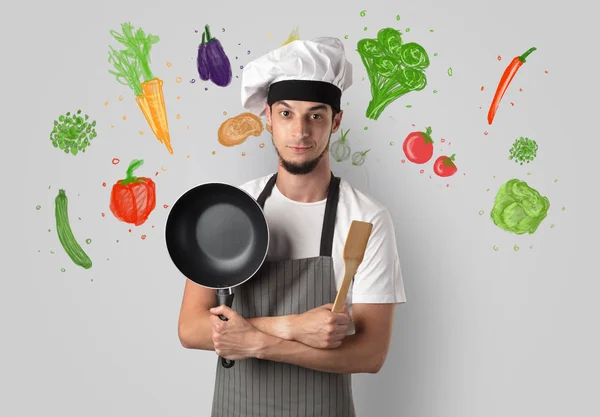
[[418, 146], [444, 166], [132, 199]]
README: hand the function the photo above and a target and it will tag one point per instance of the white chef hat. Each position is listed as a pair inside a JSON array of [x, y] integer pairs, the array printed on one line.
[[308, 70]]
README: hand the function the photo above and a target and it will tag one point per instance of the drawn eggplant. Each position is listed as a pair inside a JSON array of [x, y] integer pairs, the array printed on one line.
[[213, 64]]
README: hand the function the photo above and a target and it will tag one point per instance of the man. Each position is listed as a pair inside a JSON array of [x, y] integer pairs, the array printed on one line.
[[294, 353]]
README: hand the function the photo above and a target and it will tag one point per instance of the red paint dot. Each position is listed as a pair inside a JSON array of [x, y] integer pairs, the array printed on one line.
[[165, 206], [447, 185], [485, 133], [442, 140], [546, 71], [143, 237], [520, 89], [449, 143], [499, 57], [115, 161], [156, 173], [479, 107], [104, 184], [153, 226], [512, 103], [481, 88], [129, 230], [403, 161], [422, 171], [413, 124], [102, 214]]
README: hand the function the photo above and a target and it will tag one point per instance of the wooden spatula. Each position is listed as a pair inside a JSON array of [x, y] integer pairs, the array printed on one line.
[[354, 251]]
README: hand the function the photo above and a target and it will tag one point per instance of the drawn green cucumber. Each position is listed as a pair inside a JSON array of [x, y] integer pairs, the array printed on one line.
[[65, 234]]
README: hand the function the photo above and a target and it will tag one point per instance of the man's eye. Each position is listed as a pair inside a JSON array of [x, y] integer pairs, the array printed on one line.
[[318, 116], [284, 111]]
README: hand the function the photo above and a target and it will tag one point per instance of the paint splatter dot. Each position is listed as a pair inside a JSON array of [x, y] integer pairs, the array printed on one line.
[[450, 71], [38, 207], [391, 143], [124, 117], [62, 269], [366, 128], [530, 246], [223, 29], [224, 113], [481, 212], [243, 153], [214, 153], [178, 79], [435, 91], [104, 184], [115, 161], [187, 127], [188, 157], [169, 65], [520, 89], [499, 58], [129, 230], [178, 97], [178, 116], [485, 133], [552, 226], [88, 241], [103, 214], [112, 126], [365, 29], [564, 208], [545, 71], [512, 103], [141, 132], [205, 88], [516, 248], [435, 54], [487, 189], [363, 13], [143, 237], [48, 229], [403, 161], [529, 173], [345, 36], [106, 103], [121, 97], [422, 171], [481, 90], [431, 30], [270, 35], [495, 248], [193, 80], [262, 145], [407, 29], [397, 17], [556, 180], [442, 140]]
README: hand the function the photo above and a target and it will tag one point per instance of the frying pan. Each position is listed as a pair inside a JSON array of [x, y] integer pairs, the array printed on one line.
[[217, 236]]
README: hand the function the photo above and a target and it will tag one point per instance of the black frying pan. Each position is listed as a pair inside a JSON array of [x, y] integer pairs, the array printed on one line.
[[218, 237]]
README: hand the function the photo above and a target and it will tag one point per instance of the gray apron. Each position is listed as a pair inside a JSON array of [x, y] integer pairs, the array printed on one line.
[[264, 388]]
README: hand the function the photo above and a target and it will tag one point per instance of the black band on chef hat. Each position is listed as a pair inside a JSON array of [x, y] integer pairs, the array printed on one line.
[[305, 90]]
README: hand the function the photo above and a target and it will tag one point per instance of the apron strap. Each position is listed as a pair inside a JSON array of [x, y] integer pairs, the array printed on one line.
[[330, 210]]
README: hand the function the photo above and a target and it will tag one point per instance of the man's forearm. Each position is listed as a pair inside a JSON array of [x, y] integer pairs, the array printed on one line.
[[279, 326], [355, 355]]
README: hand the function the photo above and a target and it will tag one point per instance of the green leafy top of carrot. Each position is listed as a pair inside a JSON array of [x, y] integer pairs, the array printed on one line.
[[133, 62]]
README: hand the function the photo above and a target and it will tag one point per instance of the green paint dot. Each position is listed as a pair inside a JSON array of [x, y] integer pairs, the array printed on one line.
[[397, 17], [409, 106], [363, 13], [495, 248], [551, 226], [434, 91], [481, 212], [38, 207], [435, 54], [52, 252], [346, 37], [48, 229], [516, 248], [117, 240], [450, 71], [556, 180], [564, 208], [431, 30], [365, 29], [529, 173], [63, 269], [366, 128], [407, 29], [88, 241], [487, 189], [391, 143], [530, 246]]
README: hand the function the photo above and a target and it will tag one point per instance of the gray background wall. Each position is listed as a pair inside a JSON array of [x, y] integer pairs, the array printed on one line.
[[485, 331]]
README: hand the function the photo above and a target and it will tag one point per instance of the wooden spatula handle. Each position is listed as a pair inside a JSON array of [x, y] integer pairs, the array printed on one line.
[[350, 269]]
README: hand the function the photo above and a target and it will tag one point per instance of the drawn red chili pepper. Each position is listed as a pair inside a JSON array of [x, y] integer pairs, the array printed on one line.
[[507, 77]]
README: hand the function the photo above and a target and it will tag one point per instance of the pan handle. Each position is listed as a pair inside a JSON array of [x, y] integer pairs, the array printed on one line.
[[225, 297]]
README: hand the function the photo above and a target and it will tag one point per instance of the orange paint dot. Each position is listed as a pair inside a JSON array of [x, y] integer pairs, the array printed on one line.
[[546, 71], [213, 152], [143, 237], [499, 58], [188, 128], [141, 132], [481, 88], [512, 103], [520, 89], [169, 64], [124, 117], [243, 153], [224, 113], [104, 184], [178, 116], [121, 98], [112, 126], [178, 79], [188, 157], [178, 97], [106, 103], [115, 161], [262, 145]]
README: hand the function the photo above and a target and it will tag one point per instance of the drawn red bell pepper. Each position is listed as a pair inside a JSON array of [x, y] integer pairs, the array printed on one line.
[[132, 199]]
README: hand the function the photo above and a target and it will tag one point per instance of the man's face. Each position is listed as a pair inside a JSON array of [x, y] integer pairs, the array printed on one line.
[[301, 133]]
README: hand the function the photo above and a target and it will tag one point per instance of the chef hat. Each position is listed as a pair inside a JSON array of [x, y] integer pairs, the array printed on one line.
[[306, 70]]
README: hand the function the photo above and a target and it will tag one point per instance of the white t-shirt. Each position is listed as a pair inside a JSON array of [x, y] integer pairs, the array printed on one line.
[[295, 233]]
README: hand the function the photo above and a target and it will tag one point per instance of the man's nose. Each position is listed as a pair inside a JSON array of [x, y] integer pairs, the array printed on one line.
[[300, 128]]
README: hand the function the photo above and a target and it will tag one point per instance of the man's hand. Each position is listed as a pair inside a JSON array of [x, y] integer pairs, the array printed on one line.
[[320, 327], [236, 338]]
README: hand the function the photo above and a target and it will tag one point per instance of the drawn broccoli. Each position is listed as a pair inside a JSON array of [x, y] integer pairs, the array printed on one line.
[[394, 69]]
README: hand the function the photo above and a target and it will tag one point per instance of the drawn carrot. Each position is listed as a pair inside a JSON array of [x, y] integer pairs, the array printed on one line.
[[507, 77], [132, 68]]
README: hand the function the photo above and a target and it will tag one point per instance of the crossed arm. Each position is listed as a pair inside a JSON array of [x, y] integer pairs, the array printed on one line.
[[275, 338]]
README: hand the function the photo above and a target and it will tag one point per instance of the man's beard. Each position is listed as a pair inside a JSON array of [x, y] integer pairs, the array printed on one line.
[[302, 168]]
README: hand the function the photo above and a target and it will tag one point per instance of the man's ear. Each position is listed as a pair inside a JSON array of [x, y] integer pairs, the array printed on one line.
[[268, 113], [337, 121]]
